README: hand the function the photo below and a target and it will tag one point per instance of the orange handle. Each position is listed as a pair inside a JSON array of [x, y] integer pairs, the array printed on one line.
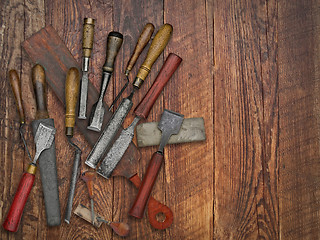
[[145, 189], [13, 218]]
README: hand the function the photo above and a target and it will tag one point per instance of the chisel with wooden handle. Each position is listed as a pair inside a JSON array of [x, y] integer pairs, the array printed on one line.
[[87, 44], [142, 42], [16, 89], [47, 160], [157, 46], [43, 140], [142, 111], [71, 96], [114, 42]]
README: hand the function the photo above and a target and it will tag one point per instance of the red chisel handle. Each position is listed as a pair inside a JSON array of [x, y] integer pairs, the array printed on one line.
[[169, 67], [145, 189], [154, 208], [13, 218]]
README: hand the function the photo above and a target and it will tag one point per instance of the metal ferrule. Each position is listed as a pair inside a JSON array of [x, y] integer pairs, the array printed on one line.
[[32, 169], [109, 133], [138, 82], [85, 64]]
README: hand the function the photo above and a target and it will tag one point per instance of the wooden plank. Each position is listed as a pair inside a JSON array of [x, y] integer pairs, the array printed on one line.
[[129, 18], [299, 148], [246, 120], [188, 175]]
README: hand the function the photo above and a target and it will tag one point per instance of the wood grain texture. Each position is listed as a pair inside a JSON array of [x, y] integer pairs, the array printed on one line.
[[299, 169], [250, 69]]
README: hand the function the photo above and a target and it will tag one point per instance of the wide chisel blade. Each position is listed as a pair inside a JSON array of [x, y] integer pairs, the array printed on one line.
[[117, 150]]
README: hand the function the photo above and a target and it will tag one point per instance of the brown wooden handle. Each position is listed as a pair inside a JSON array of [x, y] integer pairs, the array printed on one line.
[[142, 42], [71, 94], [145, 189], [40, 90], [114, 43], [87, 37], [157, 46], [169, 67], [16, 89], [89, 177]]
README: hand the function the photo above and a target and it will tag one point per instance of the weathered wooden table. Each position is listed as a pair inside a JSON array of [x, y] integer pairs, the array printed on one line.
[[250, 68]]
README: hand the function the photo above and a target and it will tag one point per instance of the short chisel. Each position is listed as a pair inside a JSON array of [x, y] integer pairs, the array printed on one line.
[[157, 46], [87, 44], [142, 111]]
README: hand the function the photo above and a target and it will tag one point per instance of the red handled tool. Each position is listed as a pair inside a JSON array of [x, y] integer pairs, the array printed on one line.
[[43, 140]]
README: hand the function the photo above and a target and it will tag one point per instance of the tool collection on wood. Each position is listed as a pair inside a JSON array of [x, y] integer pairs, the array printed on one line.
[[113, 147]]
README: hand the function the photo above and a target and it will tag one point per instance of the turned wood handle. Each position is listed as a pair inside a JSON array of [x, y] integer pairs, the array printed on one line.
[[16, 89], [89, 177], [145, 189], [142, 42], [154, 208], [169, 67], [87, 37], [158, 44], [114, 43], [71, 95], [13, 218], [40, 90]]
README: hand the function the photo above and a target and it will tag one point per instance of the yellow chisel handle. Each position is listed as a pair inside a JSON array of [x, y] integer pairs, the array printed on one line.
[[158, 44]]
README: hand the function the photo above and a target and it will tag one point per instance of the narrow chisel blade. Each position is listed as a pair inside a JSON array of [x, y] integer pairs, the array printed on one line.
[[83, 96]]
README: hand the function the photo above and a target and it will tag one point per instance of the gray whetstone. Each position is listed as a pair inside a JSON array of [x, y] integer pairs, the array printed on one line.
[[49, 178], [192, 130]]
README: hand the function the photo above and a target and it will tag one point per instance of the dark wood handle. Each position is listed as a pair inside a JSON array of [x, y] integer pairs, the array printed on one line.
[[87, 38], [157, 46], [145, 189], [71, 94], [16, 89], [155, 207], [40, 90], [169, 67], [142, 42], [13, 218], [114, 43]]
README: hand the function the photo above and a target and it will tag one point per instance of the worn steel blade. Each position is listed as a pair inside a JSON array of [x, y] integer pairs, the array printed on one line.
[[83, 96], [117, 150], [109, 133]]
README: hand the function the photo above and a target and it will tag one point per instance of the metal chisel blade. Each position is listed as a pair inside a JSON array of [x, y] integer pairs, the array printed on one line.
[[117, 150], [108, 133], [83, 96]]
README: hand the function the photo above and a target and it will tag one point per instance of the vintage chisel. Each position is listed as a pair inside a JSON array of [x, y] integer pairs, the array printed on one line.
[[47, 160], [16, 89], [87, 44], [71, 95], [142, 111], [169, 124], [114, 42], [142, 42], [43, 139], [157, 46]]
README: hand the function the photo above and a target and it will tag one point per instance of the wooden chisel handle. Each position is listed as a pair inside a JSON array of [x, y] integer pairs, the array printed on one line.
[[142, 42], [87, 38], [169, 67], [40, 90], [114, 43], [145, 189], [154, 208], [13, 218], [157, 46], [71, 93], [16, 89]]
